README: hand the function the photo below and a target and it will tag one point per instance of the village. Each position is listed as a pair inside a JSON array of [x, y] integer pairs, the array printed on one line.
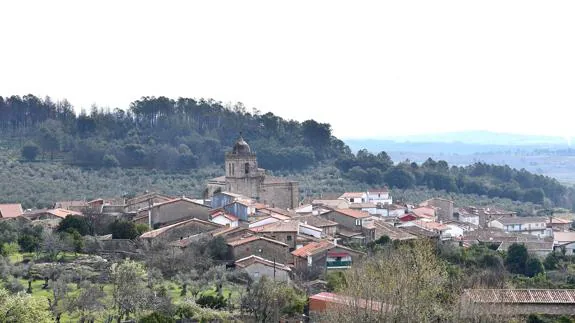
[[271, 232]]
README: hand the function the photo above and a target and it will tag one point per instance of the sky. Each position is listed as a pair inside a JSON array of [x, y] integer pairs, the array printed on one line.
[[372, 69]]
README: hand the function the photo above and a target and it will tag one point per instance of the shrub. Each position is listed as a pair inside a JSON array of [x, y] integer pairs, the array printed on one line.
[[211, 301], [14, 285], [30, 151], [74, 222], [123, 230], [156, 317]]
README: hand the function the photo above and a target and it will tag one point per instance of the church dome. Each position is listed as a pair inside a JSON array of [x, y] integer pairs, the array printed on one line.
[[241, 147]]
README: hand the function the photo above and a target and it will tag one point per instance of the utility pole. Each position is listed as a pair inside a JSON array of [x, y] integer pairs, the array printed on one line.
[[274, 268]]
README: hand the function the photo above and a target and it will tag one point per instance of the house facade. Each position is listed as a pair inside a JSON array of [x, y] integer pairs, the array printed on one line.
[[173, 211], [258, 267], [260, 246], [324, 255], [529, 225]]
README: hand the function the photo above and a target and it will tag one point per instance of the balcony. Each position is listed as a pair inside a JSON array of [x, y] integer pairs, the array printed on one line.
[[341, 264]]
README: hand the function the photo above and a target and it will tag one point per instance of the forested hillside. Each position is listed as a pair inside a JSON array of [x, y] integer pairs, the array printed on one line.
[[161, 141]]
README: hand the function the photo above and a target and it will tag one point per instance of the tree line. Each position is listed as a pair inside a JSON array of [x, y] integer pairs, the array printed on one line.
[[188, 134], [478, 178], [161, 133]]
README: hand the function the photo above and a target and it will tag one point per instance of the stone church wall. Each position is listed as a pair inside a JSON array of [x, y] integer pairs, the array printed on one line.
[[282, 195]]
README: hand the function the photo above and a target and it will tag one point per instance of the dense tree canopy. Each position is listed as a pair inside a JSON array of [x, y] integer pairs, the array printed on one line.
[[184, 134]]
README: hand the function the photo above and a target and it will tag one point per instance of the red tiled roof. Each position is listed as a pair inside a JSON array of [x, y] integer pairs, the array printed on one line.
[[312, 248], [353, 213], [424, 212], [10, 210], [435, 226], [349, 301]]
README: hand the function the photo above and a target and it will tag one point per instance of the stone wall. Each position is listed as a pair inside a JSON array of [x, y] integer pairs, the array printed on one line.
[[283, 195], [445, 211], [288, 238], [269, 250], [186, 230], [177, 211], [257, 270], [346, 221]]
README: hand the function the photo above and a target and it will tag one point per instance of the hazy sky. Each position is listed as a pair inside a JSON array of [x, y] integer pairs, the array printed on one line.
[[371, 69]]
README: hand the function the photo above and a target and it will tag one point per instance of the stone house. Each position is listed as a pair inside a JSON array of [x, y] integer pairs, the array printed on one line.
[[260, 246], [287, 231], [231, 234], [444, 207], [329, 228], [257, 267], [324, 255], [180, 230], [353, 225], [172, 211], [332, 204], [146, 200], [391, 231], [347, 218]]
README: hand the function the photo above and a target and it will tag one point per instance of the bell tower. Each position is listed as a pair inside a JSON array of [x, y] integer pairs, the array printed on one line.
[[242, 173]]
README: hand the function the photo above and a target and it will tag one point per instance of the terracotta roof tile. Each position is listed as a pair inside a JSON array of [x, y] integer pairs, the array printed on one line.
[[312, 248], [10, 210], [353, 213]]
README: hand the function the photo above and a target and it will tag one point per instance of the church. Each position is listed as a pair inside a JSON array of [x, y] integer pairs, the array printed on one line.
[[243, 176]]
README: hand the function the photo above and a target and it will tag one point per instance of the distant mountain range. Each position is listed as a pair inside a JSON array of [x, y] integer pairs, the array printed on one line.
[[464, 142]]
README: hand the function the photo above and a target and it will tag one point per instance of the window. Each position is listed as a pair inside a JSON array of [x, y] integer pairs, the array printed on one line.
[[256, 274], [351, 200], [288, 238], [247, 167], [357, 221], [233, 170]]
